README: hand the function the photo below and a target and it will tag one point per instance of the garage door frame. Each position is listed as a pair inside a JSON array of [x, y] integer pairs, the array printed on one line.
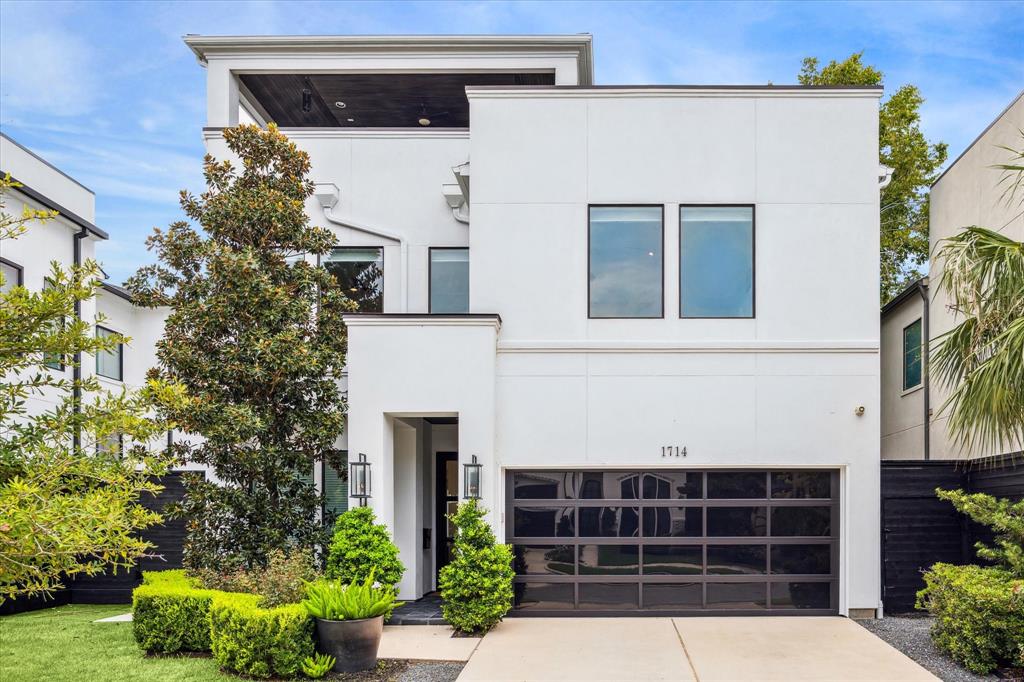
[[768, 578]]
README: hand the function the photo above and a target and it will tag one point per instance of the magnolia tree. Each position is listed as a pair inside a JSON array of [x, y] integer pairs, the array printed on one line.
[[256, 337], [69, 502]]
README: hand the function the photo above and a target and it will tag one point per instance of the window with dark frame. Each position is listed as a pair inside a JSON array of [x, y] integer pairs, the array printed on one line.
[[626, 261], [53, 360], [449, 280], [110, 363], [912, 355], [716, 261], [359, 271], [12, 275]]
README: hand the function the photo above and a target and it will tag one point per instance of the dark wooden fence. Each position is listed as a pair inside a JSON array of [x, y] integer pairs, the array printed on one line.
[[919, 530], [111, 588]]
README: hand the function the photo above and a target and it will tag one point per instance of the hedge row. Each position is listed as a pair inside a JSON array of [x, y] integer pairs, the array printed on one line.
[[979, 614], [172, 613]]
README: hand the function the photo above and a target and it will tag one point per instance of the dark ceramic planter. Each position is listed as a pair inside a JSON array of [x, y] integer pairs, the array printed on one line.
[[353, 643]]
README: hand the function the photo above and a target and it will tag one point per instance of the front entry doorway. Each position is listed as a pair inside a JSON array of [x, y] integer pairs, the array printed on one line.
[[446, 492]]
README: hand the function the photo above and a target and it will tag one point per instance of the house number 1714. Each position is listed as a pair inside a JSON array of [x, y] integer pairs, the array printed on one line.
[[673, 451]]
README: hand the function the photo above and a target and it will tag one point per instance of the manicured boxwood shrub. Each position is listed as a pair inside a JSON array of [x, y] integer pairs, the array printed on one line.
[[258, 642], [476, 584], [360, 546], [979, 615], [171, 613]]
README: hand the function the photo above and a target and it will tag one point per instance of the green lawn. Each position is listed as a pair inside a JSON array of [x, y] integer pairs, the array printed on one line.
[[63, 643]]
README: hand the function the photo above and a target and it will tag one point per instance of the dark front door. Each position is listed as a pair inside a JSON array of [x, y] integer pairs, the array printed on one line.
[[446, 491]]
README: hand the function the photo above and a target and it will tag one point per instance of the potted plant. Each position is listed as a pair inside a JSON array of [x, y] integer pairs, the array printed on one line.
[[349, 620]]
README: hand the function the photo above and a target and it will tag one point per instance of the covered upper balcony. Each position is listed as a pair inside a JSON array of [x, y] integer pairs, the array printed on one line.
[[375, 82]]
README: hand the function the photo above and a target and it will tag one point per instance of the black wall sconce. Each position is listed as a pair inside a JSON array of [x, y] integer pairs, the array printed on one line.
[[471, 480], [359, 479]]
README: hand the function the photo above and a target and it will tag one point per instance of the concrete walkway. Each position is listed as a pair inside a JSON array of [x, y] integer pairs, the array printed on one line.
[[698, 649], [425, 643]]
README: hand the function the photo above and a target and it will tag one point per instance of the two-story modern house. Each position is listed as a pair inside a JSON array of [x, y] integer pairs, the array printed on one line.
[[639, 322]]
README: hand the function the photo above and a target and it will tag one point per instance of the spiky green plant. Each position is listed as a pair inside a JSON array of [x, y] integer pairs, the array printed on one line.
[[981, 359], [334, 600], [317, 665]]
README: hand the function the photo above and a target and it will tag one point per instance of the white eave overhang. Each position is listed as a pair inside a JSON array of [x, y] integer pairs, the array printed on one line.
[[580, 45], [489, 320], [661, 91]]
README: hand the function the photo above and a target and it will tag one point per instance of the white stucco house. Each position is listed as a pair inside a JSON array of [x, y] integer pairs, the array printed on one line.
[[648, 313], [70, 238]]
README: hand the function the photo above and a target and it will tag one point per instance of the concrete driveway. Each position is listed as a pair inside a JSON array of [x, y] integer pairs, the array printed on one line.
[[699, 649]]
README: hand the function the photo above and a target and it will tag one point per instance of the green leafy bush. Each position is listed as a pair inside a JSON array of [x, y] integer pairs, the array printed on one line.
[[317, 665], [1004, 517], [282, 581], [171, 613], [250, 640], [476, 585], [361, 547], [334, 600], [979, 614]]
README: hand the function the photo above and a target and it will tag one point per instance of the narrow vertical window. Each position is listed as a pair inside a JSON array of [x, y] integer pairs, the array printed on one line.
[[110, 363], [716, 261], [626, 262], [53, 360], [912, 355], [10, 275], [449, 280], [360, 273]]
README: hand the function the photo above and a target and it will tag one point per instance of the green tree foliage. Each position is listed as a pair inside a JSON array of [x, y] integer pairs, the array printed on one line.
[[1005, 518], [981, 360], [66, 510], [361, 548], [915, 163], [256, 337], [476, 584]]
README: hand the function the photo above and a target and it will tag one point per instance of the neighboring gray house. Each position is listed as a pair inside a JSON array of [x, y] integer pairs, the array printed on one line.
[[966, 194]]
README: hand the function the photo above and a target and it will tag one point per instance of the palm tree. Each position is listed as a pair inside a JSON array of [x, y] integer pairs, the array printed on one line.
[[981, 360]]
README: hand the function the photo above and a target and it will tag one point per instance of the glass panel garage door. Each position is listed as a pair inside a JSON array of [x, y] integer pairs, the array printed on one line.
[[674, 541]]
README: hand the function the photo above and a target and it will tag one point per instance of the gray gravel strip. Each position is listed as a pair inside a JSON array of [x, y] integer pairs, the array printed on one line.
[[909, 634], [431, 671]]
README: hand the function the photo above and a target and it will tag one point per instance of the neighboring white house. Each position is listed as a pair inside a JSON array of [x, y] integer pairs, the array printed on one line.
[[967, 193], [69, 238], [648, 313]]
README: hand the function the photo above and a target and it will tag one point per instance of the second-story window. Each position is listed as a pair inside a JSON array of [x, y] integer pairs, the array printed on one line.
[[626, 261], [110, 363], [716, 261], [912, 355], [360, 273], [449, 280], [11, 273]]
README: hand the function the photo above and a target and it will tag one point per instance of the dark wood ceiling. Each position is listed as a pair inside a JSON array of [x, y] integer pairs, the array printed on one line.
[[379, 100]]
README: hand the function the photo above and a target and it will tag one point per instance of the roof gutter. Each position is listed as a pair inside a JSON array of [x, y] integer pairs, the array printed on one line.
[[76, 370]]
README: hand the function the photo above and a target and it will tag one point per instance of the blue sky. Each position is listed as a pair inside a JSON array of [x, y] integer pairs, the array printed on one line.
[[110, 94]]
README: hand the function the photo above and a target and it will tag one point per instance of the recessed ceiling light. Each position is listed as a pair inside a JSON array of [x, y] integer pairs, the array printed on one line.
[[340, 105], [350, 120], [424, 121]]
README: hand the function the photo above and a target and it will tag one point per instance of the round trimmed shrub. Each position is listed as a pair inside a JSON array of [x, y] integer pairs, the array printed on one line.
[[361, 546], [476, 585]]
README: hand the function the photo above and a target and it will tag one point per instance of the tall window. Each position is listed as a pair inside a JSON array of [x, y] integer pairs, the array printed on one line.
[[360, 273], [110, 363], [11, 275], [53, 360], [626, 261], [449, 280], [912, 355], [716, 261]]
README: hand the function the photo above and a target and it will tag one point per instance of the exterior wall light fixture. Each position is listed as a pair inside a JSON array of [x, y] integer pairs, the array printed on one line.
[[472, 480], [359, 479]]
